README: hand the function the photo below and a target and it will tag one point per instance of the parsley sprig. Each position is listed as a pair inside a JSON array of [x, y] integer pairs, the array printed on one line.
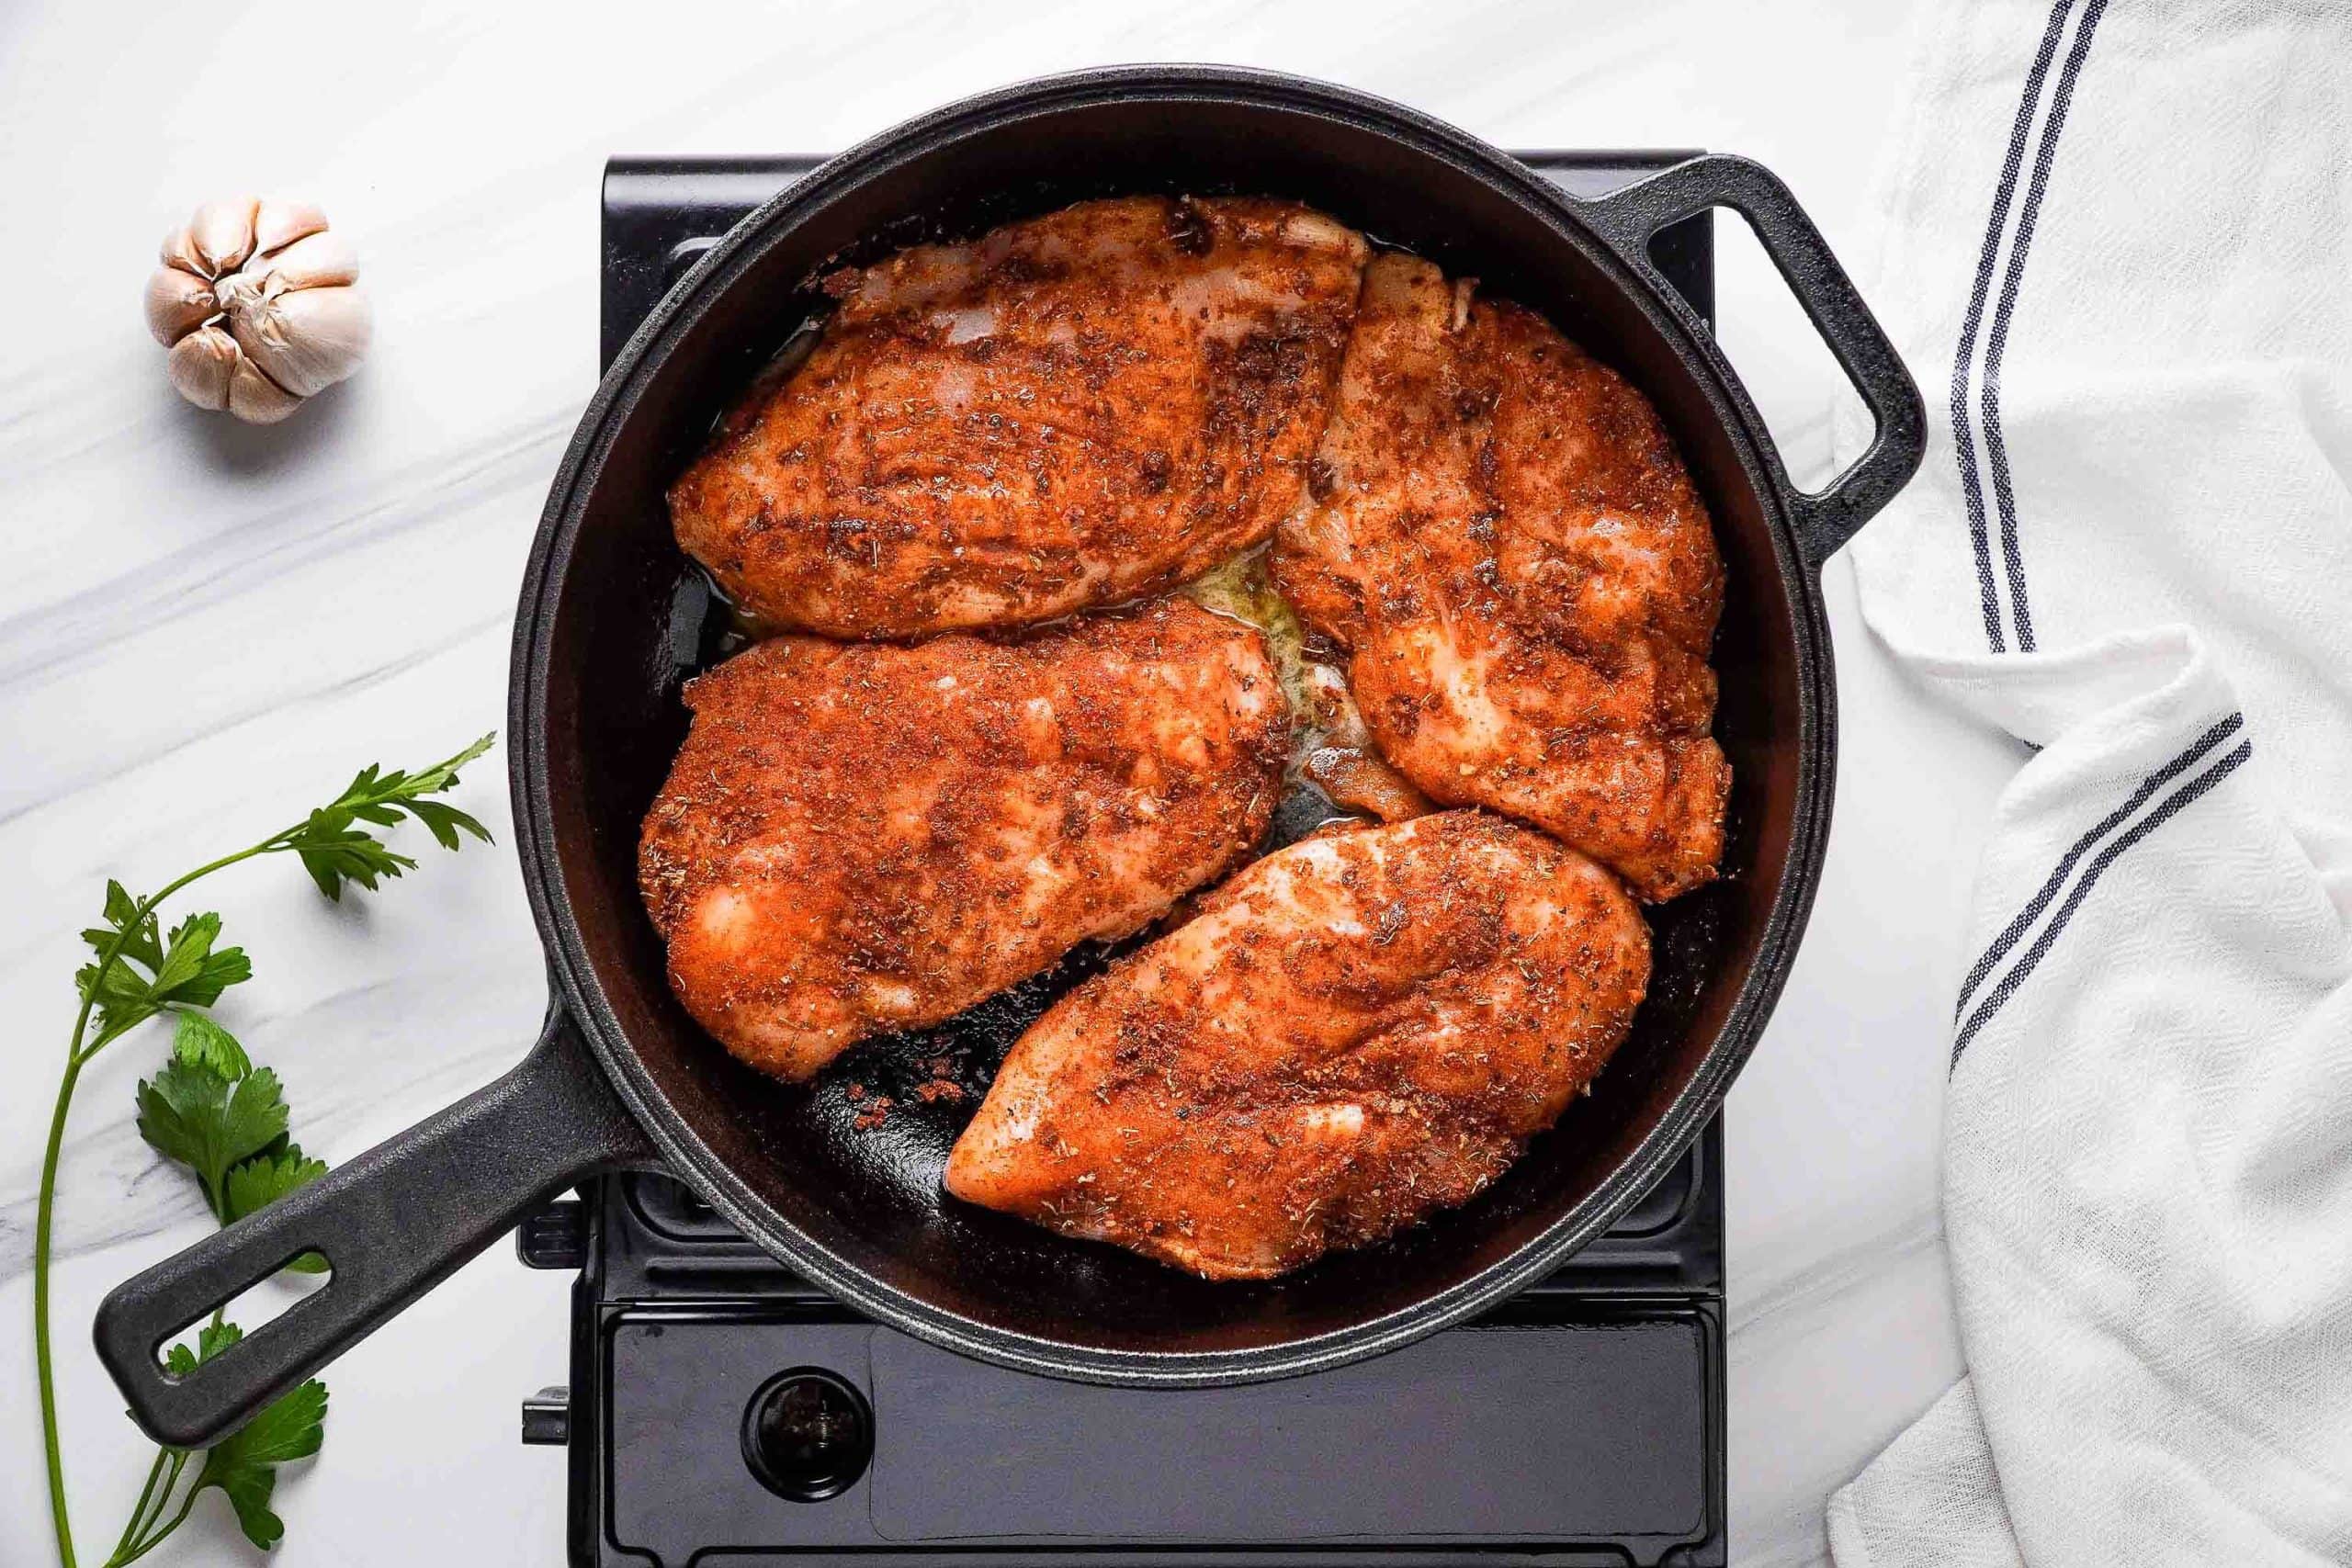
[[243, 1464], [211, 1109], [336, 849]]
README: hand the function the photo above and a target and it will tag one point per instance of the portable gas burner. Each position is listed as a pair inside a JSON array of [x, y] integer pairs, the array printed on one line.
[[722, 1409]]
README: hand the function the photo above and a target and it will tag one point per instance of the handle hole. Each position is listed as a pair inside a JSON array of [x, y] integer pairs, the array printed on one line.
[[1816, 418], [250, 1311]]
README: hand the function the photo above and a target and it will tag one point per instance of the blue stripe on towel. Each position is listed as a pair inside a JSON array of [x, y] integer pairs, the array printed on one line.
[[1995, 450], [2049, 889], [2025, 965], [1971, 323]]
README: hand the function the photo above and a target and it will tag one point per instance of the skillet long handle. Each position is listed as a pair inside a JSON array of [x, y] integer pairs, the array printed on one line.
[[1827, 518], [391, 1224]]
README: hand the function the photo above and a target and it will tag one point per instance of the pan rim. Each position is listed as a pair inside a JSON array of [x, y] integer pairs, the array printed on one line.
[[573, 972]]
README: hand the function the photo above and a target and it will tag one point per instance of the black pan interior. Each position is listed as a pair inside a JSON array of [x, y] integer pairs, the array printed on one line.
[[630, 618]]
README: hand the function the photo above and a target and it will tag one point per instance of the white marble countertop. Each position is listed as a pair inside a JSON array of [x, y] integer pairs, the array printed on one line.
[[203, 627]]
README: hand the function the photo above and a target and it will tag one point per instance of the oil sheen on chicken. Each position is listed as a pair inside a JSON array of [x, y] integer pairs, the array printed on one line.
[[1501, 536], [1356, 1030], [858, 839], [1071, 411]]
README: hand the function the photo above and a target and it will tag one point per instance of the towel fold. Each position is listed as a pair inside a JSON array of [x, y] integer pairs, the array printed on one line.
[[2118, 254]]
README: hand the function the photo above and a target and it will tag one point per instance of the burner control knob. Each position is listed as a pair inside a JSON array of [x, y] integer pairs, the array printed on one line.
[[555, 1237], [807, 1434], [546, 1417]]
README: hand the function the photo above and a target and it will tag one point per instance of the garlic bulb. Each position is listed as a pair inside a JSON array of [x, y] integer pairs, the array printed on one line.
[[256, 300]]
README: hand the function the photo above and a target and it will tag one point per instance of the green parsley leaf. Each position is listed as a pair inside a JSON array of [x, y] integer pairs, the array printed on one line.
[[244, 1463], [141, 944], [210, 1340], [120, 997], [191, 971], [190, 1113], [119, 994], [184, 971], [265, 1179], [197, 1040], [337, 851], [121, 907], [444, 822]]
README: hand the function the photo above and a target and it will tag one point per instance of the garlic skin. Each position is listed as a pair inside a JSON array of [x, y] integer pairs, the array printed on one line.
[[258, 302], [178, 303], [201, 365]]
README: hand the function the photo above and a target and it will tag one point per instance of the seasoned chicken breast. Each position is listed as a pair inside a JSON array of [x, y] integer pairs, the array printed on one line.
[[859, 839], [1354, 1032], [1501, 536], [1071, 411]]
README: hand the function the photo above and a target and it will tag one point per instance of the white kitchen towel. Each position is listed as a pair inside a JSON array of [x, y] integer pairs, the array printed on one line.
[[2118, 254]]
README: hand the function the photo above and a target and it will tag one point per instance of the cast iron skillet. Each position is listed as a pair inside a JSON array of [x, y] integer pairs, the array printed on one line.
[[612, 616]]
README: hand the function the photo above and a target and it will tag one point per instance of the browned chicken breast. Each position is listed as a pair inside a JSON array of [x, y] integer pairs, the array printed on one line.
[[1502, 538], [1071, 411], [859, 839], [1354, 1032]]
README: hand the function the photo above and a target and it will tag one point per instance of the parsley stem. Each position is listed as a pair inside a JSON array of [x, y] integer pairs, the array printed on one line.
[[147, 1500], [40, 1299], [156, 1539]]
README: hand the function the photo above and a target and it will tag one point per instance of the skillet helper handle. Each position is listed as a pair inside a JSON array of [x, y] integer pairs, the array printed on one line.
[[1827, 518], [391, 1224]]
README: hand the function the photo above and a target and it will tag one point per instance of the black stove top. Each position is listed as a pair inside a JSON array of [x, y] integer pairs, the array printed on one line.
[[723, 1410]]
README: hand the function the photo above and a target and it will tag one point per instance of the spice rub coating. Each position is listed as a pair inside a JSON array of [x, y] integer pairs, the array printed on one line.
[[1071, 411], [859, 839], [1356, 1030], [1502, 538]]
